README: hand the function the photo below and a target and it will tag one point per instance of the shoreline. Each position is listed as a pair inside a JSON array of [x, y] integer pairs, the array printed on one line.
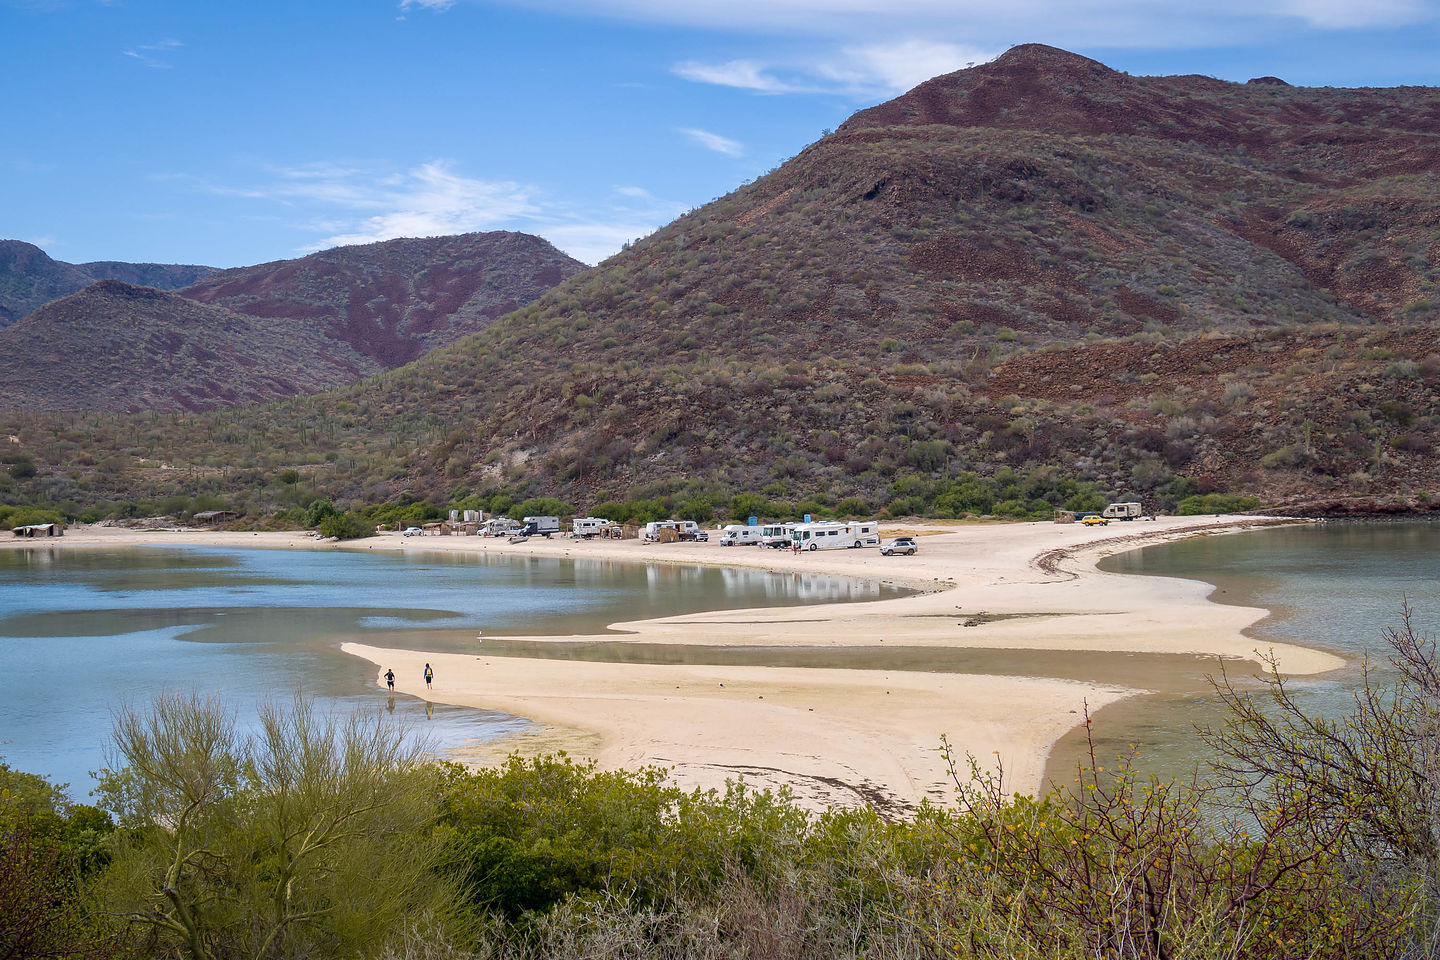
[[833, 736]]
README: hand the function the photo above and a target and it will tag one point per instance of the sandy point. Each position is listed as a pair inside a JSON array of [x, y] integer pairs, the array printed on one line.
[[848, 736], [1027, 592]]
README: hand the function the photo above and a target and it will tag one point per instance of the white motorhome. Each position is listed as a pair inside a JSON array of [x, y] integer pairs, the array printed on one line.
[[684, 530], [1122, 511], [834, 534], [776, 535], [588, 526], [736, 534]]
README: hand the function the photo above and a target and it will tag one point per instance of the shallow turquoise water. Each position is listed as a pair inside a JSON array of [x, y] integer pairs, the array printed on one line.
[[83, 631], [1336, 586]]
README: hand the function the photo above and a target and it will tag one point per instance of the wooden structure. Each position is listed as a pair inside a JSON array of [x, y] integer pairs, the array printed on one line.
[[40, 530]]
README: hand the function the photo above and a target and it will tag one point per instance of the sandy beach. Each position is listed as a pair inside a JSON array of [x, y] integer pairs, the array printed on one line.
[[833, 736]]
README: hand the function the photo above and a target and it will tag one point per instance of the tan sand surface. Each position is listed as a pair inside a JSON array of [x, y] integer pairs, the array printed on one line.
[[834, 736]]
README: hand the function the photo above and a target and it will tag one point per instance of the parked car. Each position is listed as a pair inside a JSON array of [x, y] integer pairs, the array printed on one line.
[[899, 546], [1094, 520], [412, 532]]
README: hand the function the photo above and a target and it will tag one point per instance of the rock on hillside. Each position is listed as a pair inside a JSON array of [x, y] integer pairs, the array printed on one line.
[[393, 301], [115, 346], [30, 278]]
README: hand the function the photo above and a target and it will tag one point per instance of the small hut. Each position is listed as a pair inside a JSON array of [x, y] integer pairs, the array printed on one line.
[[40, 530]]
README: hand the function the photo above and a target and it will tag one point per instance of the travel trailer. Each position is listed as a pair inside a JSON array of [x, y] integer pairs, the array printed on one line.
[[736, 534], [834, 534], [1122, 511], [776, 535], [588, 526], [683, 530]]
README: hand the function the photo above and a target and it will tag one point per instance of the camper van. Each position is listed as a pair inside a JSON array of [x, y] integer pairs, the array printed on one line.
[[776, 535], [736, 534], [1122, 511], [834, 534], [540, 526], [588, 526]]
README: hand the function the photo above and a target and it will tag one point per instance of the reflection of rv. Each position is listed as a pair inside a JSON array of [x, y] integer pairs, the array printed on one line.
[[776, 534], [736, 534], [833, 534], [588, 526], [540, 526]]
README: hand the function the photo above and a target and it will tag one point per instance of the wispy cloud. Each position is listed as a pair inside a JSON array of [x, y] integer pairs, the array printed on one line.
[[714, 142], [344, 203], [1348, 14], [146, 53], [439, 6], [896, 67], [744, 74]]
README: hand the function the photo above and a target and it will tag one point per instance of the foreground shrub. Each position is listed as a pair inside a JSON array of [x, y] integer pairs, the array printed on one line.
[[309, 838]]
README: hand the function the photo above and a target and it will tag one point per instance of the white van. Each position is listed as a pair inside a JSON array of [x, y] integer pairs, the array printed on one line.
[[835, 534], [737, 534]]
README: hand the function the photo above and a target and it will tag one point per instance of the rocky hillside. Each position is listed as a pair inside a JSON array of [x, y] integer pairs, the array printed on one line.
[[29, 278], [393, 301], [116, 346], [1038, 270]]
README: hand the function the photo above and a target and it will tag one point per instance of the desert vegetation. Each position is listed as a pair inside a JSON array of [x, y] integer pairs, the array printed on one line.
[[313, 836]]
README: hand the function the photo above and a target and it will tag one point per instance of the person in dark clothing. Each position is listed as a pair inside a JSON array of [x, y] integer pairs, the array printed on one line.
[[390, 678]]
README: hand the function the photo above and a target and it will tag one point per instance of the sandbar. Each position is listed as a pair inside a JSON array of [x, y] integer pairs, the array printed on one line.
[[832, 736]]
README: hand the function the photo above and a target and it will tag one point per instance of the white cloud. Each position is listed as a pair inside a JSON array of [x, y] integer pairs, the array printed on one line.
[[896, 67], [338, 204], [1346, 14], [715, 142], [744, 74], [439, 6], [145, 53]]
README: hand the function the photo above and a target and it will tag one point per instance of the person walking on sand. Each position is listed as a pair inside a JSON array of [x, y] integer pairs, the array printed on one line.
[[390, 679], [429, 675]]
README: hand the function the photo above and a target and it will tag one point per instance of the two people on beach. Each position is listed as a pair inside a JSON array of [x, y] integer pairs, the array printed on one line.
[[390, 678]]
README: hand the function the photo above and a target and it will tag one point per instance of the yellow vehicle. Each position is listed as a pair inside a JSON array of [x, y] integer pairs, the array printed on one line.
[[1094, 520]]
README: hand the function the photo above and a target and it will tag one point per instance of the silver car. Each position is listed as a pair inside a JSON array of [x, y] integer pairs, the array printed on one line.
[[900, 546]]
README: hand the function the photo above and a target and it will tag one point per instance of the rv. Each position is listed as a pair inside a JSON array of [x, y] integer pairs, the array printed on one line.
[[683, 530], [588, 526], [499, 527], [735, 534], [540, 526], [776, 535], [834, 534], [1122, 511]]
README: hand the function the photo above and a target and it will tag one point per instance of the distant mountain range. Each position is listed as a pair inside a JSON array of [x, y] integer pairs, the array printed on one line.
[[1039, 269], [29, 278], [254, 333]]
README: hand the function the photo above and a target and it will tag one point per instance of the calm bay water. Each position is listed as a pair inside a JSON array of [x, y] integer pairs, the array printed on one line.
[[1335, 586], [84, 631]]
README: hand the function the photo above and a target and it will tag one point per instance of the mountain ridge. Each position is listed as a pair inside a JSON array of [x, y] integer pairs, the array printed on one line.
[[956, 282]]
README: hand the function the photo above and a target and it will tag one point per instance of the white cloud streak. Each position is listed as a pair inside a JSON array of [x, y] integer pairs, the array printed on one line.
[[714, 142], [743, 74], [145, 53], [339, 204]]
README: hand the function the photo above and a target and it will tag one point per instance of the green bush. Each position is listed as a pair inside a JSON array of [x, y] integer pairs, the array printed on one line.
[[347, 526], [1208, 503]]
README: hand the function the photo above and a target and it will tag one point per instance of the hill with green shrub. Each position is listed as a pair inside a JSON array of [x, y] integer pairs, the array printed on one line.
[[1039, 273]]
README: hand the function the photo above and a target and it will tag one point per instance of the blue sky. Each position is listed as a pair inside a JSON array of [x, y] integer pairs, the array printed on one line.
[[191, 132]]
